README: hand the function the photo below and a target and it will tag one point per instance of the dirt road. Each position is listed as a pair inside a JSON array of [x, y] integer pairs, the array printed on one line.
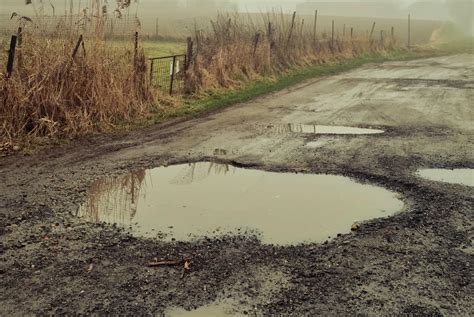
[[419, 261]]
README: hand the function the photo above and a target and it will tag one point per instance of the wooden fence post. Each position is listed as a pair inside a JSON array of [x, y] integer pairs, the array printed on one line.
[[409, 31], [20, 36], [352, 32], [76, 48], [332, 35], [372, 32], [11, 55], [152, 69], [135, 50], [189, 52], [173, 70], [315, 25], [255, 44], [270, 39], [291, 29]]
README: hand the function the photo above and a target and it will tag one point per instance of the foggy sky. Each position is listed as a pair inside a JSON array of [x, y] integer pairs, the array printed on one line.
[[459, 10]]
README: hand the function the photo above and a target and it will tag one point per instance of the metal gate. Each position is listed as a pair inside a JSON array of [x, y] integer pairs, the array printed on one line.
[[167, 73]]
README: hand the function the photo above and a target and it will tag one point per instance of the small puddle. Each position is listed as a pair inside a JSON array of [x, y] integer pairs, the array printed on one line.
[[212, 310], [316, 144], [462, 176], [323, 129], [184, 202]]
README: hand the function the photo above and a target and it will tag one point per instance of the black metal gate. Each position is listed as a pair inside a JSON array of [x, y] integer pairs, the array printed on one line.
[[167, 73]]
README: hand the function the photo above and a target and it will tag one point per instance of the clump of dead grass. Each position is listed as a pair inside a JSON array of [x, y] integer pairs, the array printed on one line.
[[53, 92]]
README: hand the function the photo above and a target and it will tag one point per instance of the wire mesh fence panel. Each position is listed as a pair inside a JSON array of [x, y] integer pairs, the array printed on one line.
[[167, 73], [56, 26]]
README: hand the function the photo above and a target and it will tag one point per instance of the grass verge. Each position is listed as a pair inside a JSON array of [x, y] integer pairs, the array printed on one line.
[[192, 107]]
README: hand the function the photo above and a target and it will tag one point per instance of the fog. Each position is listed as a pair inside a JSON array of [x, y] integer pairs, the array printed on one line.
[[460, 11]]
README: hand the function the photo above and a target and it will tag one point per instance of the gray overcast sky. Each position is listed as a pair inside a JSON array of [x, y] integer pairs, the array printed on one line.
[[242, 3], [7, 6]]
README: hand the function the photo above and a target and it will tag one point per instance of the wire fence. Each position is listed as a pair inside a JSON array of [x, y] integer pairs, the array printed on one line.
[[53, 26], [168, 73]]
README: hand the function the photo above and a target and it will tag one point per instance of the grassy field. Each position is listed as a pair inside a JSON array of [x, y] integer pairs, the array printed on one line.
[[163, 48]]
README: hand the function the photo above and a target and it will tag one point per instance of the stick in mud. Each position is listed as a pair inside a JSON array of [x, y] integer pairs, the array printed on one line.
[[165, 263], [186, 263]]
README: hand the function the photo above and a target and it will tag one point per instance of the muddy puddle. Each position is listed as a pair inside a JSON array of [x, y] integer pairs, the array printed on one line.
[[212, 310], [190, 201], [323, 129], [462, 176], [317, 144]]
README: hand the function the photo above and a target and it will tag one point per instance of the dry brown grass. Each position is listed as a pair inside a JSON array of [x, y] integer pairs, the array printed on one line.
[[52, 94], [240, 48]]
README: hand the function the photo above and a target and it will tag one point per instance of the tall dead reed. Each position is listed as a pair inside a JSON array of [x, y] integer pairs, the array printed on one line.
[[239, 47], [64, 87]]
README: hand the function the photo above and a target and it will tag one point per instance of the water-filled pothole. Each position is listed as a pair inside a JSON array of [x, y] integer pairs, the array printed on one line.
[[323, 129], [185, 202], [462, 176], [212, 310], [317, 144]]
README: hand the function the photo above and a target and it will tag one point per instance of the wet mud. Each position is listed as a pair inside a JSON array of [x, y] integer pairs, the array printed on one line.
[[416, 262]]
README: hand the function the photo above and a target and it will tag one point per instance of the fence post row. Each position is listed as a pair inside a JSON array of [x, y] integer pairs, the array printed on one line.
[[11, 55], [188, 57]]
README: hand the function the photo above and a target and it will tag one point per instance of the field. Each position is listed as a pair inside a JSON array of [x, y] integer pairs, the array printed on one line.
[[163, 48]]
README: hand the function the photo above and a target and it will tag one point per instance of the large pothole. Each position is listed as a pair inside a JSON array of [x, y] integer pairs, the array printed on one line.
[[185, 202]]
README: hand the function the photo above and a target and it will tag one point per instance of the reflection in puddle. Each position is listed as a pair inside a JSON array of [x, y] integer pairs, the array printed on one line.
[[213, 310], [183, 202], [323, 129], [464, 176]]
